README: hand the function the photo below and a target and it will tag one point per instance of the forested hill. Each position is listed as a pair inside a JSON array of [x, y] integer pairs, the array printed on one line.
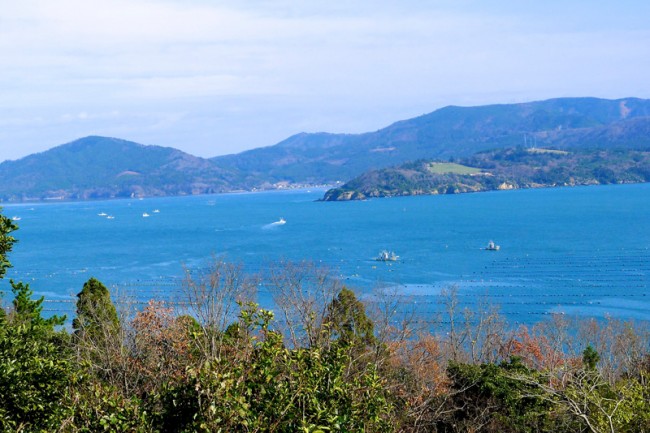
[[100, 167], [500, 169], [452, 131]]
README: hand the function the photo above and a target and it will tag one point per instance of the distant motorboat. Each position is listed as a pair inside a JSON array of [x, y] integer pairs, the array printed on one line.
[[491, 246], [102, 214], [279, 222], [145, 215], [156, 211], [16, 218], [110, 217], [387, 256]]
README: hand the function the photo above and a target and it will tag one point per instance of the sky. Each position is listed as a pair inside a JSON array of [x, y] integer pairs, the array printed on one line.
[[219, 77]]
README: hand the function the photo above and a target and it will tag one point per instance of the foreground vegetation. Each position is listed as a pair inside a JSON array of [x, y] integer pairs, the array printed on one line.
[[322, 362]]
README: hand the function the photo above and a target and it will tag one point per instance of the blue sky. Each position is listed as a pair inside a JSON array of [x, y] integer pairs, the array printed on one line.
[[218, 77]]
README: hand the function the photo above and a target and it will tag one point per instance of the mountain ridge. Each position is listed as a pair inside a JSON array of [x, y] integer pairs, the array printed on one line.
[[451, 131], [105, 167]]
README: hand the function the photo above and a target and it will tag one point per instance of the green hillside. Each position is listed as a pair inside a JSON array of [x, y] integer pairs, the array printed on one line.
[[500, 169], [99, 167]]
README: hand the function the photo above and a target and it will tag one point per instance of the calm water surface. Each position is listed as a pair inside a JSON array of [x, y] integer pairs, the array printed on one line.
[[579, 251]]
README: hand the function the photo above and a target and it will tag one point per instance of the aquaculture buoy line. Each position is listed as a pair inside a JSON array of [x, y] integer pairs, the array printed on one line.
[[534, 285]]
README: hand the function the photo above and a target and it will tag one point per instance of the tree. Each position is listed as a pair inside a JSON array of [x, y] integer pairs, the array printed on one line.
[[590, 358], [212, 297], [302, 292], [282, 389], [6, 242], [95, 310], [34, 363], [99, 339], [34, 366], [162, 345], [346, 319], [491, 397]]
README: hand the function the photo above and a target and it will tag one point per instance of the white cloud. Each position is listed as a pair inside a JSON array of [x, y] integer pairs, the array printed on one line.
[[239, 74]]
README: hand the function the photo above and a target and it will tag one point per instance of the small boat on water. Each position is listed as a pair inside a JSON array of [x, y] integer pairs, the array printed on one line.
[[491, 246], [110, 217], [16, 218], [279, 222], [387, 256], [145, 215], [102, 214], [156, 211]]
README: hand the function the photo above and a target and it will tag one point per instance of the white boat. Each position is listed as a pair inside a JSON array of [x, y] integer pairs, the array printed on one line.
[[110, 217], [387, 256], [156, 211], [102, 214], [491, 246], [145, 215], [279, 222], [16, 218]]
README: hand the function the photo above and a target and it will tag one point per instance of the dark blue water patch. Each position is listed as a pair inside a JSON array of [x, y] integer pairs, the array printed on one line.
[[574, 250]]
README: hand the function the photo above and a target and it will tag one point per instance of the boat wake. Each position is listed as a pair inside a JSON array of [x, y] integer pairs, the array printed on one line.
[[274, 224]]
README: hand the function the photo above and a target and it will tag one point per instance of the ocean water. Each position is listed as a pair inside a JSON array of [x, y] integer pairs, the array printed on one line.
[[579, 251]]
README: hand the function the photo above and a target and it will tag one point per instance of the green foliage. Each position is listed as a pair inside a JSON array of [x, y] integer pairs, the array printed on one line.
[[27, 311], [279, 389], [347, 321], [634, 410], [6, 242], [590, 358], [257, 383], [503, 396], [592, 401], [95, 406], [96, 313], [34, 366]]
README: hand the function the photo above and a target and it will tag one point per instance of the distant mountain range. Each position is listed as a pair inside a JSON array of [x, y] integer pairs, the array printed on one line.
[[99, 167], [452, 132]]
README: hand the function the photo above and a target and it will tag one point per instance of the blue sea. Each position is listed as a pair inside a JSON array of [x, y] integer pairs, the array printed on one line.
[[580, 251]]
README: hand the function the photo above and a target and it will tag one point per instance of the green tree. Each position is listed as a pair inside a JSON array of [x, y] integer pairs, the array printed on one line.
[[6, 242], [635, 406], [35, 366], [590, 358], [498, 397], [281, 389], [347, 320], [98, 341], [96, 313]]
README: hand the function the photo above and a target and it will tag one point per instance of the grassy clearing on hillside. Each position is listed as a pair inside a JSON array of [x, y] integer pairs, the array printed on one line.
[[449, 167], [552, 151]]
